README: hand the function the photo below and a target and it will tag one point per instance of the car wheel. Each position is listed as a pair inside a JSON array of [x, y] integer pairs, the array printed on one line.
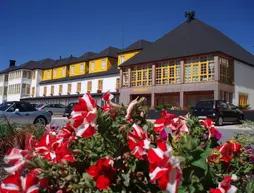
[[219, 121], [51, 113], [40, 121], [240, 119]]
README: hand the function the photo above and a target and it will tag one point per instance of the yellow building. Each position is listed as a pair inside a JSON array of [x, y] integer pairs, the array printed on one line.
[[104, 60], [132, 50]]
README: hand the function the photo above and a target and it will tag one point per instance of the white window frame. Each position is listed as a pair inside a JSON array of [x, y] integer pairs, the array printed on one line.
[[82, 69], [72, 69], [63, 71], [92, 66], [48, 74], [103, 64], [122, 58]]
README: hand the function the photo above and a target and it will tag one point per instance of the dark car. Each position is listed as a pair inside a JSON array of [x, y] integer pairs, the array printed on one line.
[[219, 111], [68, 110]]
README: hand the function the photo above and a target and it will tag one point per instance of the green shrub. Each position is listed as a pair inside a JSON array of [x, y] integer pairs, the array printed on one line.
[[244, 107]]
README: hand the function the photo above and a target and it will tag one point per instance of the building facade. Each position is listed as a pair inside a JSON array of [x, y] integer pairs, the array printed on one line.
[[65, 80], [190, 63]]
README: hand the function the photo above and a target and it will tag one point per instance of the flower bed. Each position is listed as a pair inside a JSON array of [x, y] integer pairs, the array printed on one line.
[[114, 149]]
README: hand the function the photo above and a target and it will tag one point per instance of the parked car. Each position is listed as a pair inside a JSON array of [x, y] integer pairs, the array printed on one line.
[[23, 113], [53, 109], [219, 111], [69, 107], [68, 110]]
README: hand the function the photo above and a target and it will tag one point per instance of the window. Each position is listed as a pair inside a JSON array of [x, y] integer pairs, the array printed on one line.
[[100, 84], [29, 75], [45, 91], [125, 77], [60, 89], [5, 90], [1, 90], [199, 69], [33, 74], [72, 69], [103, 64], [28, 89], [54, 73], [69, 88], [168, 72], [82, 69], [92, 66], [63, 71], [141, 75], [52, 90], [33, 91], [117, 83], [89, 86], [225, 71], [79, 87], [243, 99], [122, 59], [48, 74]]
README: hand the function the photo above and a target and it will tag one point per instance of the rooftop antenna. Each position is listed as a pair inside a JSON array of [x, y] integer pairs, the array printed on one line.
[[122, 31], [190, 15]]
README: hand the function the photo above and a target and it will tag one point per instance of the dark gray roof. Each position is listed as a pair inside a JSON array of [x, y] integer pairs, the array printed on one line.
[[66, 61], [108, 52], [113, 70], [138, 45], [189, 39], [31, 65], [86, 57]]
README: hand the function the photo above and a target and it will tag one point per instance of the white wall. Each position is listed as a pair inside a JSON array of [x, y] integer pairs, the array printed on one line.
[[244, 82], [109, 83]]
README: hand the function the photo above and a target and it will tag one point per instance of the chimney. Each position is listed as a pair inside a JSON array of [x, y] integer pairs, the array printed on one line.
[[12, 63]]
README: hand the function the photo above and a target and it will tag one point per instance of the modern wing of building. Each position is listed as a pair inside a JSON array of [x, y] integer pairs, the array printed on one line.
[[192, 62]]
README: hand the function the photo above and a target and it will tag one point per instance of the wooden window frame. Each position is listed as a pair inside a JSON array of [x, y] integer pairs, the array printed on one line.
[[199, 69], [92, 66], [89, 86], [117, 83], [60, 89], [125, 78], [103, 64], [45, 91], [141, 75], [82, 67], [69, 87], [79, 87], [52, 90], [100, 85], [243, 99]]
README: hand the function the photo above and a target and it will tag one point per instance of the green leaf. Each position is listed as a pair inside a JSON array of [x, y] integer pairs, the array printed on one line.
[[201, 163], [126, 178], [250, 187]]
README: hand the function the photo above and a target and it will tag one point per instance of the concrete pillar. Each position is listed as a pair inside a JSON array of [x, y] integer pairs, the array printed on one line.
[[153, 75], [129, 77], [121, 79], [152, 100], [216, 68], [182, 72], [181, 99], [216, 94]]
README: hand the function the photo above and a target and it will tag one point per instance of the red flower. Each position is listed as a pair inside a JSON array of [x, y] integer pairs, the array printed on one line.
[[107, 97], [84, 117], [228, 149], [164, 167], [19, 184], [208, 124], [14, 158], [102, 182], [102, 172], [225, 186], [138, 141], [176, 124]]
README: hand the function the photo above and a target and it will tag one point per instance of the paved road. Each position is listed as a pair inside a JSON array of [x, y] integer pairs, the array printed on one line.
[[228, 131]]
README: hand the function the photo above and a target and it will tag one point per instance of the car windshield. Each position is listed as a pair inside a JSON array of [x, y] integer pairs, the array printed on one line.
[[5, 106], [204, 105]]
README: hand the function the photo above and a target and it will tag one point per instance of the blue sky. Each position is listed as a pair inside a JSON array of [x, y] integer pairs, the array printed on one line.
[[38, 29]]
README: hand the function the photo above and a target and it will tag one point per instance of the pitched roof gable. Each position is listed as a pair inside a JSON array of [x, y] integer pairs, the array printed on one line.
[[191, 38], [108, 52], [138, 45], [86, 57]]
